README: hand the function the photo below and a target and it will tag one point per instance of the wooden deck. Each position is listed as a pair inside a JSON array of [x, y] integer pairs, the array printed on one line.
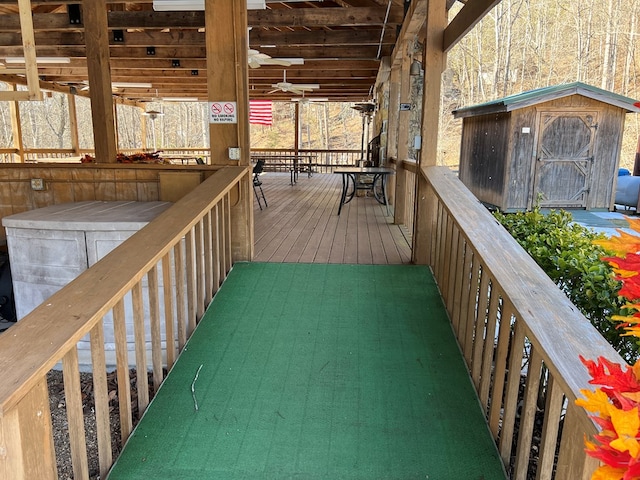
[[301, 225]]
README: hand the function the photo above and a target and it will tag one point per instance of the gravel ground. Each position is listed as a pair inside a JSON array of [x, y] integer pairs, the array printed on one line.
[[60, 424]]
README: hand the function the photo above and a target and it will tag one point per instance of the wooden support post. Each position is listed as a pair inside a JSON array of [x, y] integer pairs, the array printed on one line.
[[296, 139], [26, 439], [434, 61], [143, 129], [16, 125], [228, 94], [73, 124], [99, 73], [392, 125], [400, 207]]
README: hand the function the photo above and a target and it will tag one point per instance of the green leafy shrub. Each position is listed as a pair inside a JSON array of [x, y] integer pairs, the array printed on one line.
[[566, 252]]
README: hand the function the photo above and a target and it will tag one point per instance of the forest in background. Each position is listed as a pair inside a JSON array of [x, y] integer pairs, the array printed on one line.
[[520, 45]]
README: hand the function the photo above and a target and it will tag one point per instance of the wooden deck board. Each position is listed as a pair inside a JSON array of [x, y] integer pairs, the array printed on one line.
[[301, 225]]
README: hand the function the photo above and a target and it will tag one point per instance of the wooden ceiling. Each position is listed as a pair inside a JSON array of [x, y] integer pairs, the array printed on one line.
[[341, 42]]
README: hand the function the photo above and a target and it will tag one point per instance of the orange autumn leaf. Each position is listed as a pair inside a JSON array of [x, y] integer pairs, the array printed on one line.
[[633, 396], [622, 244], [626, 424], [597, 401], [605, 472], [634, 223]]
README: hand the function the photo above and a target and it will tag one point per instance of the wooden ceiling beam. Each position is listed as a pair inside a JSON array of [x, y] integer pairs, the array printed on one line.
[[295, 17], [193, 37], [121, 75], [355, 52]]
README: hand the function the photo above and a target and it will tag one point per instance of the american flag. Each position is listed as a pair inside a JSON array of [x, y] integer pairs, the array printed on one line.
[[260, 112]]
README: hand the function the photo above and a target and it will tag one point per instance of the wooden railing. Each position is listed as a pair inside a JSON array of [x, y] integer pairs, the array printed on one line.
[[9, 155], [324, 160], [520, 336], [182, 257]]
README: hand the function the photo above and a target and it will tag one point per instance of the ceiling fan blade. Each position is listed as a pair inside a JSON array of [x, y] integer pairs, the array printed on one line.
[[276, 61], [307, 86], [273, 91], [295, 89]]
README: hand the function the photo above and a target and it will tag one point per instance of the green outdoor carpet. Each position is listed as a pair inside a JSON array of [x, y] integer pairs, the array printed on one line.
[[317, 372]]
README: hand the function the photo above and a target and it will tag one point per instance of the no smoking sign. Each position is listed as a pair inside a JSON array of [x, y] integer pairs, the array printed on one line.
[[223, 112]]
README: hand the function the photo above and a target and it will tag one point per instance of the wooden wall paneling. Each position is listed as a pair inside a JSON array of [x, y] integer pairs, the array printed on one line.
[[61, 186], [83, 184], [106, 184], [20, 191], [126, 187], [147, 185]]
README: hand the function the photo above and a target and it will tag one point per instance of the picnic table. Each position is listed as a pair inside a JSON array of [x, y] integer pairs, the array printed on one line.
[[294, 163]]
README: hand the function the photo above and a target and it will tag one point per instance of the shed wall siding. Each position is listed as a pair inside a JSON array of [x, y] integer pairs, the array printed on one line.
[[607, 157], [484, 159], [519, 183]]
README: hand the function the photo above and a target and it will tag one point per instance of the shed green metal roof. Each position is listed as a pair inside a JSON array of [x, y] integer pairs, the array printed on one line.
[[545, 94]]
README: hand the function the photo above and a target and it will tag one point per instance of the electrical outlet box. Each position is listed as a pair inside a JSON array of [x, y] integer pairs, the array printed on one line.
[[234, 153], [37, 184]]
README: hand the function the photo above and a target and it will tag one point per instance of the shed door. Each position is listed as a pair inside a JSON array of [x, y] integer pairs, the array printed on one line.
[[564, 159]]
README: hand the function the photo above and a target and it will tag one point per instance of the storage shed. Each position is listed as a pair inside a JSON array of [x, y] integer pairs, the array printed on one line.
[[558, 147]]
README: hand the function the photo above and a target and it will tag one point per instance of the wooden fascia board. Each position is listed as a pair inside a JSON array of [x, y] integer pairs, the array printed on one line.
[[413, 22], [467, 18]]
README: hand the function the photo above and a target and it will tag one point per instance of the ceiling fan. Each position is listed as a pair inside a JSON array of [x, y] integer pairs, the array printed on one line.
[[298, 88], [257, 59]]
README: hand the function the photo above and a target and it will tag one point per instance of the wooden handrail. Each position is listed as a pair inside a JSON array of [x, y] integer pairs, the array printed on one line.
[[506, 311], [191, 244]]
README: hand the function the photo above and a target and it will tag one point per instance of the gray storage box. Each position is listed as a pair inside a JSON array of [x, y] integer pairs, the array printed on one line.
[[49, 247]]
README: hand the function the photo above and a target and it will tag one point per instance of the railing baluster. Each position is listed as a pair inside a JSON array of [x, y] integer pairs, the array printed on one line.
[[181, 294], [101, 398], [122, 371], [511, 390], [216, 247], [199, 270], [155, 327], [140, 340], [456, 283], [489, 345], [208, 258], [528, 414], [469, 302], [75, 417], [568, 467], [500, 366], [552, 412], [227, 234], [191, 287], [480, 330], [169, 317]]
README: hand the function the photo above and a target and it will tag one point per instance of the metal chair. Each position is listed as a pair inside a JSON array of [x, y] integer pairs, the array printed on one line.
[[257, 184]]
